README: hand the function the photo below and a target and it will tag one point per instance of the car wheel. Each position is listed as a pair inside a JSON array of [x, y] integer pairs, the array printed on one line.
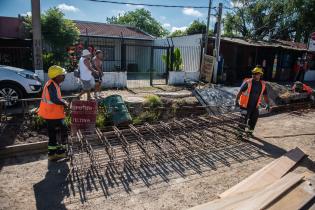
[[11, 94]]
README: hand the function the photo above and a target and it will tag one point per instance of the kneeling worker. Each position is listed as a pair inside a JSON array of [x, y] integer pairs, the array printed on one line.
[[249, 97], [52, 110]]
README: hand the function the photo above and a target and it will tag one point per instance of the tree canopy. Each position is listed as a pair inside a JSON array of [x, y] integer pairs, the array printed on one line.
[[142, 19], [196, 27], [271, 19], [58, 34]]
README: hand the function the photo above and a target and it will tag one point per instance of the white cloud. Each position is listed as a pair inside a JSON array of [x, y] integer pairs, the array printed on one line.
[[236, 4], [162, 17], [67, 8], [192, 12], [27, 14], [183, 28], [166, 25], [135, 6]]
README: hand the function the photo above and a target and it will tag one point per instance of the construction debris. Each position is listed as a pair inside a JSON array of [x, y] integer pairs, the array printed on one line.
[[268, 188]]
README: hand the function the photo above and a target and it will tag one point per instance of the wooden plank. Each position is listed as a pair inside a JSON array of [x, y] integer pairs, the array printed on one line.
[[297, 197], [23, 149], [255, 199], [224, 203], [266, 196], [268, 174]]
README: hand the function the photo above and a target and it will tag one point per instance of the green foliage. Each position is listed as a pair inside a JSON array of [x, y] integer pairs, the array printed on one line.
[[38, 122], [102, 118], [178, 33], [152, 113], [58, 34], [196, 27], [177, 60], [142, 19], [68, 120], [153, 101], [271, 19]]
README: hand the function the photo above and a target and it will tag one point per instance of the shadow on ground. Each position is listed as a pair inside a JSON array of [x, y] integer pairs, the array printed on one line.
[[51, 191]]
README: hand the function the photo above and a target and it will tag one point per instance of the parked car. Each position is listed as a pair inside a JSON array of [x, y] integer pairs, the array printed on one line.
[[17, 83]]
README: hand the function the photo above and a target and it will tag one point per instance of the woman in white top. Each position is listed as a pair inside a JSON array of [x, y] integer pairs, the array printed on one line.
[[86, 71]]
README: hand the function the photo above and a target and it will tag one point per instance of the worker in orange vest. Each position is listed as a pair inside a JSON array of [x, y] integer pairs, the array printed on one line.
[[249, 97], [51, 109]]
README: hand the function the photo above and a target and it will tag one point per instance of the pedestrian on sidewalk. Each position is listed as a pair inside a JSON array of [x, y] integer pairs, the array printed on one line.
[[86, 71], [97, 63], [51, 109], [249, 97]]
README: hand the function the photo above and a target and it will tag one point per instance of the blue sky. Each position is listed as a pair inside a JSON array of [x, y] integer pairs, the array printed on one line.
[[170, 18]]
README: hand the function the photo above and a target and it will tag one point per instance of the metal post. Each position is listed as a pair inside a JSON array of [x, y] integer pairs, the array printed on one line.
[[167, 64], [37, 39], [217, 43], [207, 28], [151, 66]]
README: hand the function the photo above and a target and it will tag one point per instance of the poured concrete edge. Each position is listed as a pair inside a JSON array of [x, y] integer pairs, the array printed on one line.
[[23, 149]]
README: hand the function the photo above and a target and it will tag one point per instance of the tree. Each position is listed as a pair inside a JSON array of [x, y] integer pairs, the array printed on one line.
[[196, 27], [271, 19], [178, 33], [141, 19], [58, 34]]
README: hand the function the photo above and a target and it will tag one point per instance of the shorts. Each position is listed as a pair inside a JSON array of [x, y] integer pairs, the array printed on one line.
[[86, 85], [98, 79]]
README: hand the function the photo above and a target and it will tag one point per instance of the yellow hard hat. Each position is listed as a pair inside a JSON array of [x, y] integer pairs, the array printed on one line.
[[257, 70], [55, 71]]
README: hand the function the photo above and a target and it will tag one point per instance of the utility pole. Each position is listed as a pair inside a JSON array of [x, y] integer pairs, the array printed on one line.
[[37, 39], [217, 43], [207, 28]]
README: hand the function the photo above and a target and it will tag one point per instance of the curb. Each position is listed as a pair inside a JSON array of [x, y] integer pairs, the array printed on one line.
[[23, 149]]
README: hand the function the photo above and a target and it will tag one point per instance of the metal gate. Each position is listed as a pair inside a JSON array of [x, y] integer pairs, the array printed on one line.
[[145, 65]]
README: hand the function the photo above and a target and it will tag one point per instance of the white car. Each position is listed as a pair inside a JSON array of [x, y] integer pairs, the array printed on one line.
[[17, 83]]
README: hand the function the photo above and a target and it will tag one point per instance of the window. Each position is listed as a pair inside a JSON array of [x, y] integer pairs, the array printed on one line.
[[108, 52]]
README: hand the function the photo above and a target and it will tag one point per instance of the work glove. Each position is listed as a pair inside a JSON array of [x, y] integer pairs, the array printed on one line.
[[267, 107], [236, 104]]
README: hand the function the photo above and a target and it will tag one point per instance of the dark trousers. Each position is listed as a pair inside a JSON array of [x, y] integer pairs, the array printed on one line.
[[57, 128], [251, 117], [300, 76]]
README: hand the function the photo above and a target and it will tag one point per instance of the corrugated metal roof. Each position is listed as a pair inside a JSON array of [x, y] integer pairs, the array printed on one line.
[[274, 43], [111, 30]]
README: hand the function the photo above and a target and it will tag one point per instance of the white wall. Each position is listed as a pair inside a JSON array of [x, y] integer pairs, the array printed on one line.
[[110, 80], [189, 47]]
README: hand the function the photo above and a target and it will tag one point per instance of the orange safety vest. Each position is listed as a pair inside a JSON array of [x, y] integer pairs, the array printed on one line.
[[47, 109], [307, 89], [245, 95]]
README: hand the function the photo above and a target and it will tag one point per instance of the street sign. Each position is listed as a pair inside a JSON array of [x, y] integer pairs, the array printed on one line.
[[311, 43], [83, 115]]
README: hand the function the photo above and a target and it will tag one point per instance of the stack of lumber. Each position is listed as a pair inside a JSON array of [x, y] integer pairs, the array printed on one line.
[[272, 187]]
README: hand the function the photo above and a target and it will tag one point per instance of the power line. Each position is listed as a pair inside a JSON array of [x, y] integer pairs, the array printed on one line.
[[151, 5]]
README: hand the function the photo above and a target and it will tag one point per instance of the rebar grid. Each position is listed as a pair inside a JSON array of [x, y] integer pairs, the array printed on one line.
[[122, 157]]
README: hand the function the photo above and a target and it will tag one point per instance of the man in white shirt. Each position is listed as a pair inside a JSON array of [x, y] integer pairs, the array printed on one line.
[[86, 70]]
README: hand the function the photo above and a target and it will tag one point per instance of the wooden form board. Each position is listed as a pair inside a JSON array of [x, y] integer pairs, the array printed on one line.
[[268, 174], [207, 68], [264, 197], [253, 200], [297, 197]]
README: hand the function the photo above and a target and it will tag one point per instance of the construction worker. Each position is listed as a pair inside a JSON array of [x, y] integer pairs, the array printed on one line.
[[249, 97], [51, 109]]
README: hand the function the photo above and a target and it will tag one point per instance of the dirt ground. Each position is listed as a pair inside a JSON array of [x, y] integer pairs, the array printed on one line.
[[32, 183]]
